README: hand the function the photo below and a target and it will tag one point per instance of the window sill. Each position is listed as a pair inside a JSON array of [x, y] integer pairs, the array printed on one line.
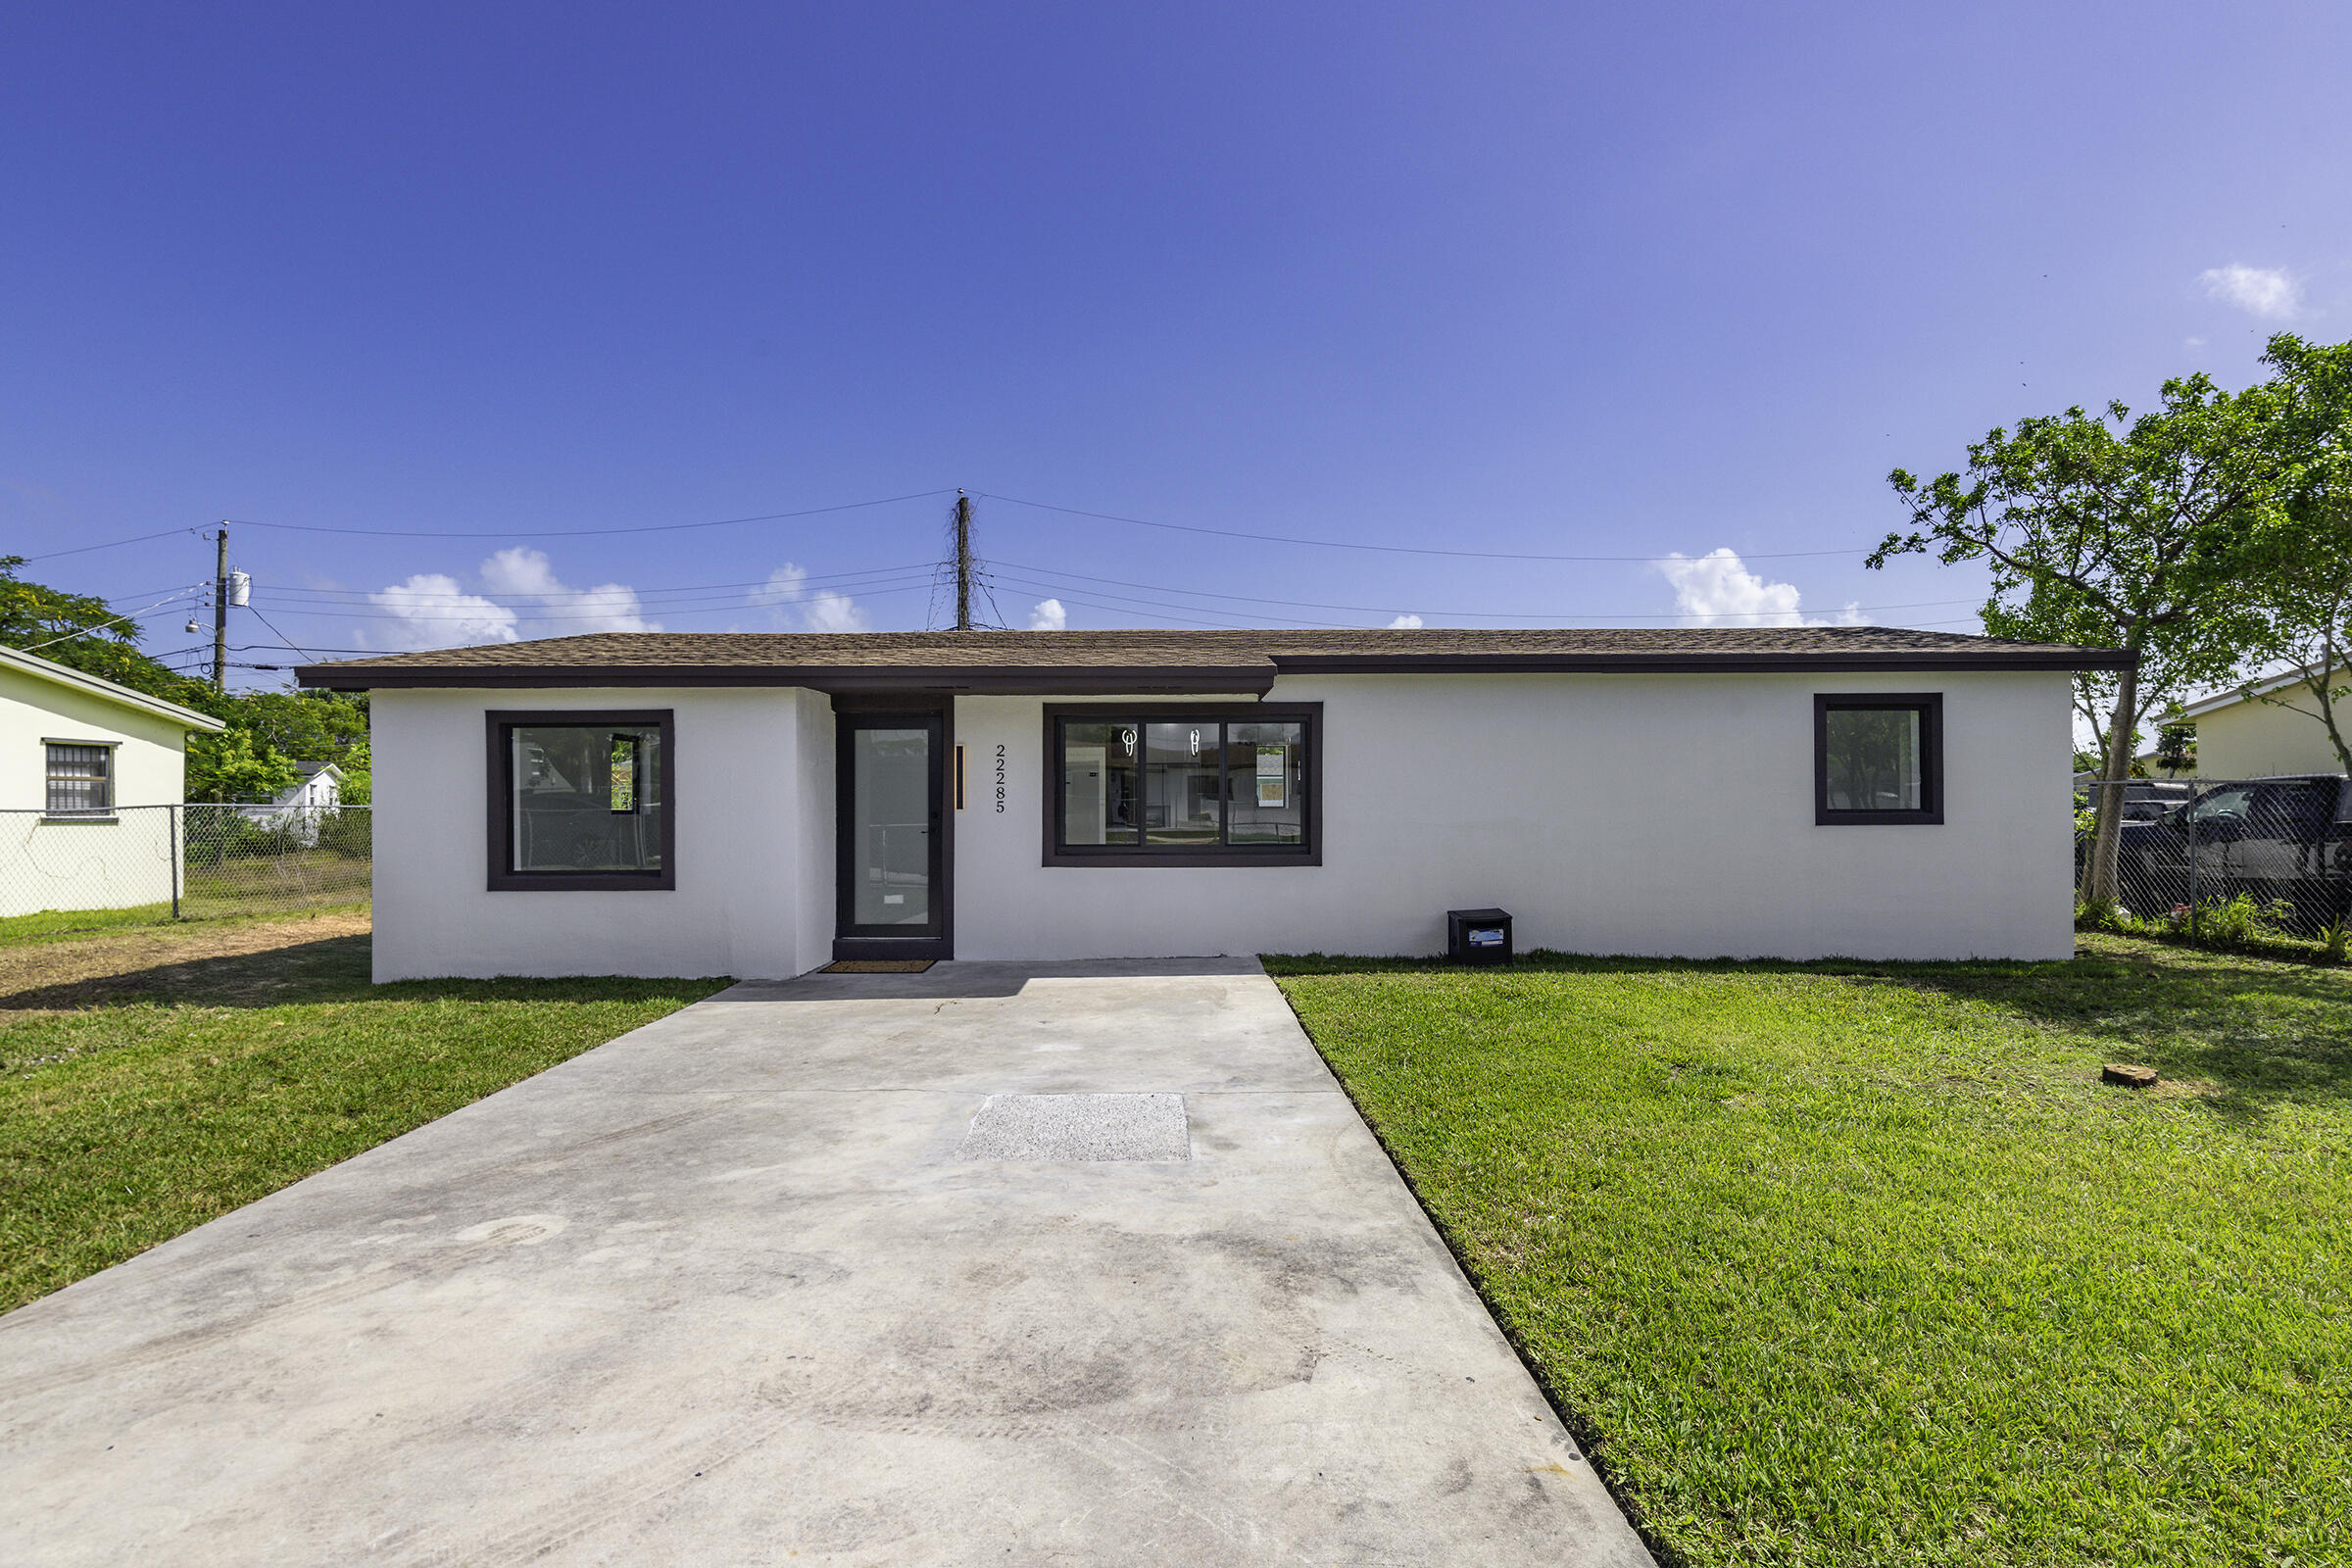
[[1830, 818], [1131, 859], [79, 817], [581, 882]]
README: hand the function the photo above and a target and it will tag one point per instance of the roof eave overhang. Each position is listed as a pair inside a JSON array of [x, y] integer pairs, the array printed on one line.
[[1698, 664], [1253, 680], [107, 691]]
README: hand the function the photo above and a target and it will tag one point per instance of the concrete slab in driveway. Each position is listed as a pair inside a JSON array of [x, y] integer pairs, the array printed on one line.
[[750, 1283]]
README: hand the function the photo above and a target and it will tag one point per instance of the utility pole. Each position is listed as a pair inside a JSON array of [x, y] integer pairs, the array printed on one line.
[[964, 561], [220, 614]]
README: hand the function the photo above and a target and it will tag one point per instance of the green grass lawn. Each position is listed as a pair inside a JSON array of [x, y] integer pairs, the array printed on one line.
[[1862, 1264], [135, 1107]]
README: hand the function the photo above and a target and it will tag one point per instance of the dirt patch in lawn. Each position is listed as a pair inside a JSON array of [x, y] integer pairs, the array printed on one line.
[[155, 960]]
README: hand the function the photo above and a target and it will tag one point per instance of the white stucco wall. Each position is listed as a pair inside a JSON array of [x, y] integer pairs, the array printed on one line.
[[84, 865], [1648, 814], [754, 843], [1666, 815]]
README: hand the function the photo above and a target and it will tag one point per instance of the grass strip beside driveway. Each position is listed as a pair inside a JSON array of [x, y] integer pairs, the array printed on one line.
[[1863, 1264], [137, 1105]]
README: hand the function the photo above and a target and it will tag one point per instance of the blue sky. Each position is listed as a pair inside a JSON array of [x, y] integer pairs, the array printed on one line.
[[1611, 281]]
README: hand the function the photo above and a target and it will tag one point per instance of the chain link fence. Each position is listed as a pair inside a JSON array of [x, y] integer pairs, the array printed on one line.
[[76, 870], [2230, 860]]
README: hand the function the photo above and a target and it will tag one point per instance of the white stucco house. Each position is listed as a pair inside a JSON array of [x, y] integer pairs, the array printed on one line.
[[2239, 735], [300, 804], [78, 756], [758, 805]]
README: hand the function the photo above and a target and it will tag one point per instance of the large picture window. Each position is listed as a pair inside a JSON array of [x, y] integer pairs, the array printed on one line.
[[580, 801], [1222, 786], [81, 778], [1878, 758]]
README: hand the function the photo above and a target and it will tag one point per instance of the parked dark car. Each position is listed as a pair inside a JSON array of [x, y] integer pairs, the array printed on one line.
[[2145, 799], [2286, 838]]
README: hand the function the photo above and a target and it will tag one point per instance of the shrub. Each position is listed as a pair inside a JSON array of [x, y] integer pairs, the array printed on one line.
[[2233, 922]]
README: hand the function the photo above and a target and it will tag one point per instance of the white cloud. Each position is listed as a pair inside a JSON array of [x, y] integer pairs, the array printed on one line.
[[1405, 623], [786, 585], [432, 611], [827, 610], [2266, 292], [1047, 615], [789, 604], [560, 610], [1717, 589]]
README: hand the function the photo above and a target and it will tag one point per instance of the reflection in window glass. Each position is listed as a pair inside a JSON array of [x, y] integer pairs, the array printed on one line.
[[1183, 795], [1872, 759], [1099, 779], [1265, 768], [1169, 782], [587, 798], [891, 816]]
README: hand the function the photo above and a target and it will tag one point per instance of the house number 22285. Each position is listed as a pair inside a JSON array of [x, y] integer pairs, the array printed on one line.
[[1000, 778]]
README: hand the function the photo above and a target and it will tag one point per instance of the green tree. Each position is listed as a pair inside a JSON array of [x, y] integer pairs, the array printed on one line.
[[2176, 744], [2139, 533], [85, 633], [234, 766], [2310, 574]]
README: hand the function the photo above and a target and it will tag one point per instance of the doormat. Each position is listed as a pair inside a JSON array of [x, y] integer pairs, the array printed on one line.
[[878, 966]]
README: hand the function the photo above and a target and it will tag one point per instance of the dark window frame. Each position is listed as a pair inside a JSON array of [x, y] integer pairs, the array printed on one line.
[[851, 941], [71, 813], [1057, 781], [499, 726], [1930, 707]]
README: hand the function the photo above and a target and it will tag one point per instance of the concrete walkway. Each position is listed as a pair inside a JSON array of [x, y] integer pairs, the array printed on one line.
[[776, 1277]]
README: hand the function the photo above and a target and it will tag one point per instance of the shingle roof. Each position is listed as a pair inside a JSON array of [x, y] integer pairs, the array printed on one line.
[[1157, 659]]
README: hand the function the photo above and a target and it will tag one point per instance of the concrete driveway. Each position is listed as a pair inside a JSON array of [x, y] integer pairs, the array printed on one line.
[[1003, 1262]]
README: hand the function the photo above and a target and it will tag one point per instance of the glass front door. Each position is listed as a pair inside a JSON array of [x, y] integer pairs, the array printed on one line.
[[891, 788]]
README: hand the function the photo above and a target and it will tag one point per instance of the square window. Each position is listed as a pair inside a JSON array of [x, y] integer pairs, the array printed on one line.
[[1878, 760], [80, 779], [580, 801]]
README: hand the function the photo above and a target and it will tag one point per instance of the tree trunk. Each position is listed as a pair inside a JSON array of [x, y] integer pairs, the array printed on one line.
[[2098, 888], [2324, 690]]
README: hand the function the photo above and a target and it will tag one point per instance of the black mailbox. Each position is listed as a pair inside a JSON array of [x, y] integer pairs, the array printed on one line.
[[1478, 936]]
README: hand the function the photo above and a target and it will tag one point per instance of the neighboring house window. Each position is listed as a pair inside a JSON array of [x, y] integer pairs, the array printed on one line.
[[581, 801], [1224, 786], [81, 779], [1878, 758]]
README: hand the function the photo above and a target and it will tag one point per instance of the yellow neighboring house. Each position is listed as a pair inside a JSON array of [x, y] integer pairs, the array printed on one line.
[[86, 767], [2241, 736]]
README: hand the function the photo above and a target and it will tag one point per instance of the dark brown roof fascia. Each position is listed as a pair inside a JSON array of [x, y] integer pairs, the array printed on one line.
[[1749, 663], [1007, 679]]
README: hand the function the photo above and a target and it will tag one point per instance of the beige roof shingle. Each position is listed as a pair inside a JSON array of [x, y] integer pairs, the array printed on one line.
[[1150, 659]]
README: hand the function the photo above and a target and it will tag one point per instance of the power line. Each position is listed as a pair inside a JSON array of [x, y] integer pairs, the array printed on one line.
[[587, 533], [679, 588], [1053, 578], [279, 635], [115, 620], [78, 550], [338, 612], [1395, 550]]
